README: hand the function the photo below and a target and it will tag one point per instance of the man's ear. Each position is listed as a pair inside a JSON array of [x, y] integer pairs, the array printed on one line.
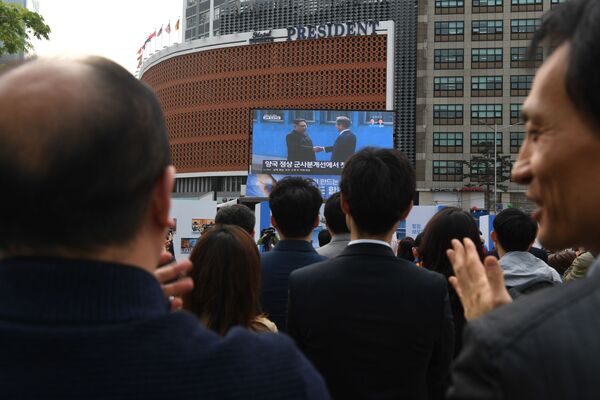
[[494, 236], [344, 204], [161, 198], [274, 223], [317, 221]]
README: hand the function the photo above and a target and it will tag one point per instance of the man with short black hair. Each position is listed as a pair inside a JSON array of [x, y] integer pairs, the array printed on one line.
[[295, 204], [299, 144], [374, 325], [336, 224], [513, 235], [237, 214], [84, 152]]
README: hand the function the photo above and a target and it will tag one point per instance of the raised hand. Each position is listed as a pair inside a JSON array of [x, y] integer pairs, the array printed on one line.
[[480, 288], [174, 280]]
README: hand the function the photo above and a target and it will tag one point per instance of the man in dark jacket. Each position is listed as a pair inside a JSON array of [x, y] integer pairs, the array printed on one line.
[[299, 144], [81, 315], [345, 143], [375, 326], [544, 346]]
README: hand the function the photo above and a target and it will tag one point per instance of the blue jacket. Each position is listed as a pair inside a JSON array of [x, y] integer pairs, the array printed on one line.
[[90, 330], [277, 265]]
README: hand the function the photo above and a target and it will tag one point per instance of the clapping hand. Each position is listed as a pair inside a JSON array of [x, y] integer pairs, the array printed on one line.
[[480, 288], [174, 280]]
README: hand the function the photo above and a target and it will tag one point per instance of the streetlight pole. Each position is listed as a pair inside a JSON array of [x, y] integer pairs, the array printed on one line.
[[497, 129]]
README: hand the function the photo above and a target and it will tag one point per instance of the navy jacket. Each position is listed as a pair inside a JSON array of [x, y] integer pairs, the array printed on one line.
[[90, 330], [375, 326], [286, 256], [299, 147], [343, 147]]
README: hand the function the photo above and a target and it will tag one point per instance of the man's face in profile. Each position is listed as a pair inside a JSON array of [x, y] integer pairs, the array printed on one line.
[[300, 127], [559, 160]]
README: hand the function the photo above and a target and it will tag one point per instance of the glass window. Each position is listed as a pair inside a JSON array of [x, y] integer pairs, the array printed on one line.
[[449, 3], [217, 13], [448, 83], [447, 111], [520, 54], [330, 116], [486, 111], [482, 140], [486, 27], [521, 82], [449, 55], [524, 2], [515, 111], [450, 28], [483, 168], [557, 1], [447, 142], [516, 140], [308, 115], [524, 25], [487, 3], [486, 83], [447, 170], [486, 55]]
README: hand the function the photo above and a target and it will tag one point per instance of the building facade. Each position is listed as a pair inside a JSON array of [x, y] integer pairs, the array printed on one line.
[[456, 77]]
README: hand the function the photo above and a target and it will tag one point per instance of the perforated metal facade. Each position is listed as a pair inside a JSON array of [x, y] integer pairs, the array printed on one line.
[[207, 95]]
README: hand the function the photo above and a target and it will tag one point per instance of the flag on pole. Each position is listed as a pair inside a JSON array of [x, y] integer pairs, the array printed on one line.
[[141, 49], [159, 31], [177, 25], [168, 28], [152, 35]]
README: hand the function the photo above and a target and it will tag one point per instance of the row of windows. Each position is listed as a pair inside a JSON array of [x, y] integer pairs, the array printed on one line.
[[452, 114], [489, 3], [453, 171], [447, 86], [452, 142], [484, 58], [486, 27]]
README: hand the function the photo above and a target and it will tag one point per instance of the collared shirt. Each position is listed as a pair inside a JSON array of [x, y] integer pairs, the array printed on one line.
[[345, 130], [372, 241]]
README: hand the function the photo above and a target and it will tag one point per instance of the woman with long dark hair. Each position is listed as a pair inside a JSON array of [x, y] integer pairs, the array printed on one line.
[[449, 223], [226, 275]]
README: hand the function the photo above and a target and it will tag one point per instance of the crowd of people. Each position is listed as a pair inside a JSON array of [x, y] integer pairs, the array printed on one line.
[[86, 313]]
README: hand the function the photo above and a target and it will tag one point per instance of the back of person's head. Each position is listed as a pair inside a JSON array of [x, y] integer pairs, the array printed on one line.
[[237, 214], [447, 224], [324, 237], [378, 186], [343, 121], [334, 216], [226, 275], [515, 230], [576, 22], [295, 204], [405, 247], [82, 146]]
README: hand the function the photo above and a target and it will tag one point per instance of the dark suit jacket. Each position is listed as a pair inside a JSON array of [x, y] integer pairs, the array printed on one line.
[[299, 147], [375, 326], [543, 346], [343, 147], [277, 264], [89, 330]]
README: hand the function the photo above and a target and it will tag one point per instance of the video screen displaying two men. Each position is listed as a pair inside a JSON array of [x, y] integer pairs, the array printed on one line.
[[311, 143]]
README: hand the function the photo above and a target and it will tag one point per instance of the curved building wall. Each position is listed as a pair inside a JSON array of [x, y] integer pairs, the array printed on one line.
[[207, 95]]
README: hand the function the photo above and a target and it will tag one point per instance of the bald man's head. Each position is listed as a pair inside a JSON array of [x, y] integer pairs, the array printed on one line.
[[82, 143]]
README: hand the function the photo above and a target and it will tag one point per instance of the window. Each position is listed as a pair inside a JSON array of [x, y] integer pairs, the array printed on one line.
[[483, 169], [486, 55], [449, 31], [520, 84], [308, 115], [518, 57], [482, 141], [516, 140], [217, 13], [486, 28], [449, 6], [448, 58], [448, 86], [447, 142], [486, 6], [330, 116], [448, 114], [526, 5], [486, 114], [554, 3], [386, 117], [485, 86], [515, 113], [523, 28], [447, 170]]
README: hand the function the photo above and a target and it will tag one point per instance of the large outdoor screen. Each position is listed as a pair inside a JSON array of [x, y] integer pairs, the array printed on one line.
[[311, 143]]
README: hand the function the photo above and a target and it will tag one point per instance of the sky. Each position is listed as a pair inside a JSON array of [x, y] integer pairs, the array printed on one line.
[[115, 29]]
